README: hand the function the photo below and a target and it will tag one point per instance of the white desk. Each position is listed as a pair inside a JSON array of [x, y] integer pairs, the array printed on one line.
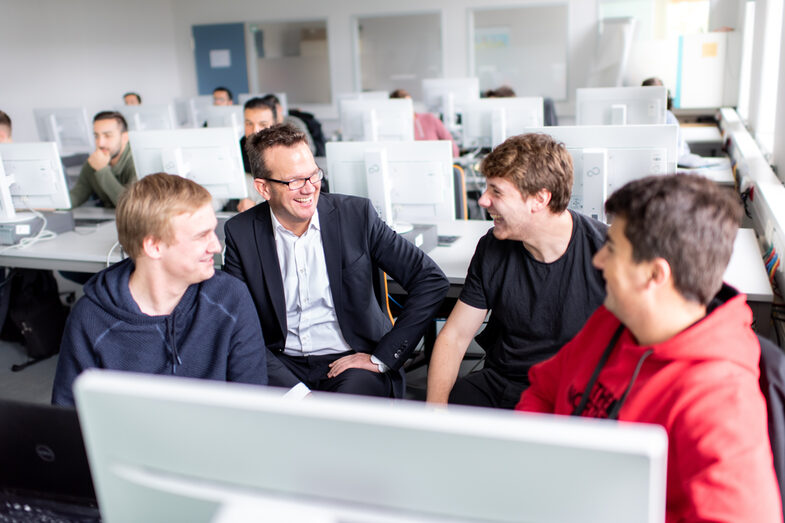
[[717, 170], [746, 270], [86, 250], [83, 250]]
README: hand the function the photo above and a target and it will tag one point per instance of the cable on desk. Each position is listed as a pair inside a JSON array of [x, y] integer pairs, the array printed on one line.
[[42, 235]]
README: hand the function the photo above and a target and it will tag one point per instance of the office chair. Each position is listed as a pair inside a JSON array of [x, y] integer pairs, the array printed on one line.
[[772, 384]]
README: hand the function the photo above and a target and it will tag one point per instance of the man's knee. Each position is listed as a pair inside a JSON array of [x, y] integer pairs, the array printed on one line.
[[362, 382]]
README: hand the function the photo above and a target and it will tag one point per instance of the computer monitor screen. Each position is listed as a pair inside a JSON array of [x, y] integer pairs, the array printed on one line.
[[408, 182], [621, 105], [488, 122], [244, 97], [446, 96], [164, 448], [605, 157], [33, 178], [69, 127], [149, 117], [210, 157], [377, 120]]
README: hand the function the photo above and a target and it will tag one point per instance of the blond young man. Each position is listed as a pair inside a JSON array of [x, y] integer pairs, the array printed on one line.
[[164, 310], [532, 271]]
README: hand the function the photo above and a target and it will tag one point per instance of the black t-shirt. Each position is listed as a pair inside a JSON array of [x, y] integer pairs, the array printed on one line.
[[535, 307]]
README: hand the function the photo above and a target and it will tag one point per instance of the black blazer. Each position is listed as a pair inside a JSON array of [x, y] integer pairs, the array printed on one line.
[[356, 244]]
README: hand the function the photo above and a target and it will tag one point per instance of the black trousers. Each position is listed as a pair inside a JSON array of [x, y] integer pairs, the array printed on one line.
[[312, 370], [487, 388]]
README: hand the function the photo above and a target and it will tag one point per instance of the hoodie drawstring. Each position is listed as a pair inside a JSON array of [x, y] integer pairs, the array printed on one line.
[[170, 328], [614, 412]]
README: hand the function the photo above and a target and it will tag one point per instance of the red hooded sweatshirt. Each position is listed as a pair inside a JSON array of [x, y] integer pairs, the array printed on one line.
[[701, 385]]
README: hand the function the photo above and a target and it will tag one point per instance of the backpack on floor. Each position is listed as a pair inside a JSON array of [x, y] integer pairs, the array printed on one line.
[[31, 313]]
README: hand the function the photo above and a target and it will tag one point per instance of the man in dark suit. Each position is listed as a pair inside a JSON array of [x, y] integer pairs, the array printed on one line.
[[309, 261]]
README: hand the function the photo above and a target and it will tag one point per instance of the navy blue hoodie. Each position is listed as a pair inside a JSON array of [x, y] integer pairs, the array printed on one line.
[[213, 333]]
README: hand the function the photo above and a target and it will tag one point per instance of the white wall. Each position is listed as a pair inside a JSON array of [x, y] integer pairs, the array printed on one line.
[[56, 53], [338, 13]]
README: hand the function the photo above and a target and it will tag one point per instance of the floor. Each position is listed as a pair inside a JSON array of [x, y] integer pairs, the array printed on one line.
[[33, 384]]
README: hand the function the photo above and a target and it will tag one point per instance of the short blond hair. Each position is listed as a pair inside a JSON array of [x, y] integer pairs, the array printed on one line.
[[147, 207]]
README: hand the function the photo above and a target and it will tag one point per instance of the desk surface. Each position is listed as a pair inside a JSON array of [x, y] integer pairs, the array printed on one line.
[[746, 270], [718, 170], [88, 249]]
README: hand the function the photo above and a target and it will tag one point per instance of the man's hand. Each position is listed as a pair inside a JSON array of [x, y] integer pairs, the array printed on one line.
[[98, 160], [358, 360], [245, 204]]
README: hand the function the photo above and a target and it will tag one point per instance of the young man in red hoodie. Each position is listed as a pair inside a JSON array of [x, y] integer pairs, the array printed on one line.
[[672, 345]]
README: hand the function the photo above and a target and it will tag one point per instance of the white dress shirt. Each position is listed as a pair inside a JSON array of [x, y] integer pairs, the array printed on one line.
[[312, 325]]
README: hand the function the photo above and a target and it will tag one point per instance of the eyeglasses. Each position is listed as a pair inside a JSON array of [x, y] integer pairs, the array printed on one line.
[[299, 183]]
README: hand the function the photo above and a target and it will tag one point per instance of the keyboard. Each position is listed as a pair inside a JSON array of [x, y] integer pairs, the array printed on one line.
[[18, 510]]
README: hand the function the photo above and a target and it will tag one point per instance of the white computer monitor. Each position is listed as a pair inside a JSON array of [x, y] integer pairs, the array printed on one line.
[[190, 111], [363, 95], [163, 448], [225, 116], [377, 120], [408, 182], [149, 117], [69, 127], [621, 105], [33, 178], [605, 157], [490, 121], [446, 96], [210, 156], [244, 97]]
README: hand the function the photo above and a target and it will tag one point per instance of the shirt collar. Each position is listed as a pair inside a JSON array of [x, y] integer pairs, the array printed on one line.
[[277, 227]]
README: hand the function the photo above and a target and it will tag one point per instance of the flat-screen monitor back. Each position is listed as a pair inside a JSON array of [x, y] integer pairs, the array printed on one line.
[[166, 449]]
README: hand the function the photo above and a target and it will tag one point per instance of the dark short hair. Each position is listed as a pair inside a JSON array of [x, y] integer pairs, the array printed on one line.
[[651, 81], [112, 115], [400, 93], [131, 93], [271, 98], [226, 90], [533, 162], [261, 103], [5, 119], [686, 219], [503, 91], [281, 134]]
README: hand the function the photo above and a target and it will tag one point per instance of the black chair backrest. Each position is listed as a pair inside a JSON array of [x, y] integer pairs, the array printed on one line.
[[772, 383]]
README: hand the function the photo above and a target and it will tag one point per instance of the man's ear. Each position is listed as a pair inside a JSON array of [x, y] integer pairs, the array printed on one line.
[[542, 199], [262, 186], [151, 246], [660, 271]]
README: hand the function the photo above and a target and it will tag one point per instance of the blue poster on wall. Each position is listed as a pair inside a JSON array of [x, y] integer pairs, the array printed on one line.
[[219, 51]]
